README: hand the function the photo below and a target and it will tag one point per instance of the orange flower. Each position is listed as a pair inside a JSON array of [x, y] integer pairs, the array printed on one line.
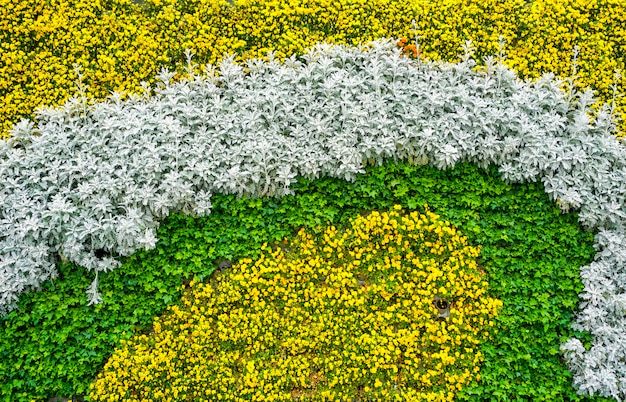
[[409, 49]]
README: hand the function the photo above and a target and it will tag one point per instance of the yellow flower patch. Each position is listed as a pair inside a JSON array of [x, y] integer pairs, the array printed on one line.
[[119, 43], [391, 308]]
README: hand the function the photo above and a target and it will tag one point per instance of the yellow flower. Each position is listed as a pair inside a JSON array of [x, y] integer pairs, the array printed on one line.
[[120, 44], [245, 336]]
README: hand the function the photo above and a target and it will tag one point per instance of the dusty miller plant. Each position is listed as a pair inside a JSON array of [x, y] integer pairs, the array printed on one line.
[[89, 182]]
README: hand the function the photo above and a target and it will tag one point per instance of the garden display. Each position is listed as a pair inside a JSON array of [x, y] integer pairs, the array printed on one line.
[[278, 201]]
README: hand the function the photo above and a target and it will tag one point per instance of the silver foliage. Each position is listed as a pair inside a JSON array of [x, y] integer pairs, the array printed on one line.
[[96, 178]]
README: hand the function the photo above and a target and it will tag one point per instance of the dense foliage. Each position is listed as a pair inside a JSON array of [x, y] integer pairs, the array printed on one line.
[[531, 253], [530, 132], [90, 181], [392, 307], [120, 43]]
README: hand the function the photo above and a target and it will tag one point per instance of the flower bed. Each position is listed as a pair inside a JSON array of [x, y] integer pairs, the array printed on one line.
[[120, 43], [328, 113], [391, 307]]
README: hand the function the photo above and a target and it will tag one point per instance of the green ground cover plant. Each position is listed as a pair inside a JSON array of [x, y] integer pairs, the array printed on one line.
[[531, 252]]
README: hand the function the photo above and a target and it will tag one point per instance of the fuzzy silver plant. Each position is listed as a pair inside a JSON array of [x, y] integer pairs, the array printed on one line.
[[88, 182]]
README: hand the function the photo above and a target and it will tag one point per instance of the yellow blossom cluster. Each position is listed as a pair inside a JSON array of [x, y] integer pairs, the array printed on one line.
[[393, 307], [120, 43], [597, 28], [117, 44]]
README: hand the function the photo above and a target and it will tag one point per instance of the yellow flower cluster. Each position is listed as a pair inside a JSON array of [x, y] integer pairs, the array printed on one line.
[[391, 308], [595, 27], [117, 43], [120, 43]]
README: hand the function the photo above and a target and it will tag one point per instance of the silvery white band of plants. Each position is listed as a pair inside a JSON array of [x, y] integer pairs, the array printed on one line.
[[91, 179]]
